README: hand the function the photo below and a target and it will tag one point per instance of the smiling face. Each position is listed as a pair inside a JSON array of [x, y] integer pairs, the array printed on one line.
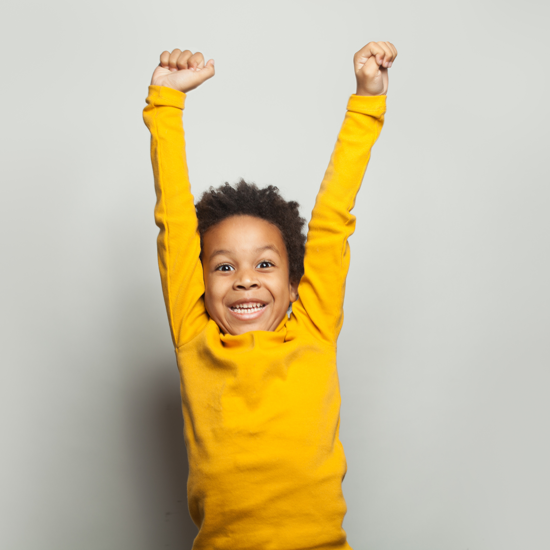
[[246, 279]]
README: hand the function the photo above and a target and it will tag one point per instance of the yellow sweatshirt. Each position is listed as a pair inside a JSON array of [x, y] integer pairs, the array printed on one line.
[[261, 409]]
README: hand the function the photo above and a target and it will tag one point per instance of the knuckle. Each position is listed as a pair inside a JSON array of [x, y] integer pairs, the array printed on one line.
[[174, 57], [196, 58]]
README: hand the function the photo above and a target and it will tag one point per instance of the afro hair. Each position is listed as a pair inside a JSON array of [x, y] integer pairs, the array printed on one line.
[[246, 199]]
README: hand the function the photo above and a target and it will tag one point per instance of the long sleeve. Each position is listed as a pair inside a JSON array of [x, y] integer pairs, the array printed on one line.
[[178, 241], [326, 263]]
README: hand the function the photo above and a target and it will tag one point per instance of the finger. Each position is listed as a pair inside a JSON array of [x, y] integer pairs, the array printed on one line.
[[383, 58], [164, 58], [388, 54], [207, 71], [200, 75], [371, 49], [172, 60], [372, 67], [182, 61], [394, 52], [196, 61]]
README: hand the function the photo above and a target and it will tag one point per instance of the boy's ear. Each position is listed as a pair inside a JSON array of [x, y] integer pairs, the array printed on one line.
[[293, 292]]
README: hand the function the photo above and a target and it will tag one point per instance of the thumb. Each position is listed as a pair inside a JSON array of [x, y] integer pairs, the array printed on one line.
[[207, 71], [371, 67]]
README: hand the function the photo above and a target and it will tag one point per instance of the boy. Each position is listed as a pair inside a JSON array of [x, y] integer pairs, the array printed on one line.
[[259, 388]]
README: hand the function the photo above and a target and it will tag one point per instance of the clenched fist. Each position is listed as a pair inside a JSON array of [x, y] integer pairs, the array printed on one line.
[[183, 71], [371, 67]]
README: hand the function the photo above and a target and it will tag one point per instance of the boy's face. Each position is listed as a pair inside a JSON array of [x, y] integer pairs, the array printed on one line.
[[246, 278]]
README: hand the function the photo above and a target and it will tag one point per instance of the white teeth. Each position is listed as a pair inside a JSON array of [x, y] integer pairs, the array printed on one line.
[[248, 308]]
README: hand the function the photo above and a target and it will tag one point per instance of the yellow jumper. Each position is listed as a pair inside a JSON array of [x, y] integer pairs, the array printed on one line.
[[261, 409]]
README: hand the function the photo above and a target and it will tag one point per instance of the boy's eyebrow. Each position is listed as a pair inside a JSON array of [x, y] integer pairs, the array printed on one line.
[[221, 251], [268, 247]]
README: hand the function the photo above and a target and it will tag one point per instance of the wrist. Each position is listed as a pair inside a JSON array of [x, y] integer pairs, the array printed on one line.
[[363, 92], [166, 96], [155, 82]]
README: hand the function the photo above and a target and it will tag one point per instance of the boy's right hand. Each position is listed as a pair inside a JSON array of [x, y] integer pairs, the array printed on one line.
[[182, 71], [371, 67]]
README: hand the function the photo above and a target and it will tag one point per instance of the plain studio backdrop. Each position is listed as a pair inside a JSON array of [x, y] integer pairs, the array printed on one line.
[[444, 357]]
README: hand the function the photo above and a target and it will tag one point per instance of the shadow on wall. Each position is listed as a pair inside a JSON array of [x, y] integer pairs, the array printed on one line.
[[157, 467], [159, 460]]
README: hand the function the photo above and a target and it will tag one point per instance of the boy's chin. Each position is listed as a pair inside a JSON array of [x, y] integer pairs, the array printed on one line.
[[236, 325], [241, 327]]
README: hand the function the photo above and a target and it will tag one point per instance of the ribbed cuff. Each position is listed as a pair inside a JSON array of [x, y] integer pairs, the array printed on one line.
[[162, 96], [373, 105]]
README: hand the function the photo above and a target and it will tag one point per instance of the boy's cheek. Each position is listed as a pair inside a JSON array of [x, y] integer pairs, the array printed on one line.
[[213, 302], [207, 300]]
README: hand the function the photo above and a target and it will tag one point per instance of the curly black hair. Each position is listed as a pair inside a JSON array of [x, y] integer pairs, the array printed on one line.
[[246, 199]]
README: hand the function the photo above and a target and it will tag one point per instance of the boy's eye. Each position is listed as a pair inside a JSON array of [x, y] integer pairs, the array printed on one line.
[[265, 264], [224, 267]]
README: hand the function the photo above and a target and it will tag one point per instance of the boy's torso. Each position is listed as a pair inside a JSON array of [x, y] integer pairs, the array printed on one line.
[[261, 415]]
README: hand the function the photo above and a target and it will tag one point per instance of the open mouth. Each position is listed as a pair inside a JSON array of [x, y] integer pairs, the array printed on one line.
[[247, 310]]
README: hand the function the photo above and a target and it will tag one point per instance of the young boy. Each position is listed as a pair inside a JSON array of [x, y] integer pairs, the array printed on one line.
[[259, 388]]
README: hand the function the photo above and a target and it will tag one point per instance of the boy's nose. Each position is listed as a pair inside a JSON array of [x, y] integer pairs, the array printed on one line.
[[247, 281]]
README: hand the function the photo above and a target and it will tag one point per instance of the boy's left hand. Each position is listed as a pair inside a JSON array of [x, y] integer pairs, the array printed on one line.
[[182, 71], [371, 67]]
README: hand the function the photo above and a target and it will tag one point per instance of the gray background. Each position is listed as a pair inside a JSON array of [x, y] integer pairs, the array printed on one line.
[[444, 357]]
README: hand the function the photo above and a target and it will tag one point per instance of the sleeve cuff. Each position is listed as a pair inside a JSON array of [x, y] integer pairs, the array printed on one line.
[[373, 105], [162, 96]]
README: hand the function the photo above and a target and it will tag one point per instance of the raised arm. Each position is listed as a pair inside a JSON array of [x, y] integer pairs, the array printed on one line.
[[326, 263], [178, 242]]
